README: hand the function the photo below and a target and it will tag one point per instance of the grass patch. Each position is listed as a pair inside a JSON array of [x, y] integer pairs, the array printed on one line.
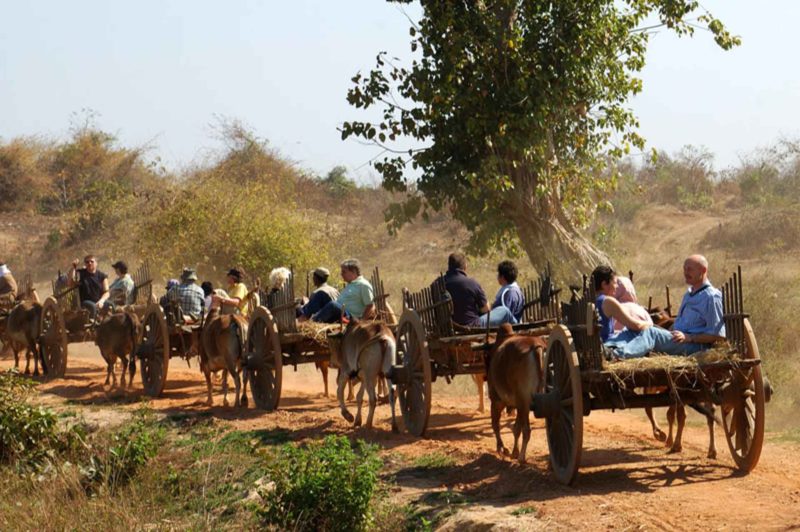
[[523, 510], [434, 460]]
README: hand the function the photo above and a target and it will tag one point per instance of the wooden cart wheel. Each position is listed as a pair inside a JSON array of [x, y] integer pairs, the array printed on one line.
[[743, 419], [154, 350], [415, 395], [564, 427], [53, 341], [264, 360]]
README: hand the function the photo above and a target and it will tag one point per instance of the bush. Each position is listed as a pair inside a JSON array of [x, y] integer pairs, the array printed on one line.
[[129, 449], [325, 486], [29, 435]]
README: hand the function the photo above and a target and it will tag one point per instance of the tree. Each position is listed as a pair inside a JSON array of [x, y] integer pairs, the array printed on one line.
[[519, 107], [338, 183]]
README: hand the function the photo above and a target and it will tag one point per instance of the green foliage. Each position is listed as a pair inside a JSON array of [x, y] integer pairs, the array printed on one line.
[[337, 182], [327, 485], [517, 106], [29, 435], [129, 449]]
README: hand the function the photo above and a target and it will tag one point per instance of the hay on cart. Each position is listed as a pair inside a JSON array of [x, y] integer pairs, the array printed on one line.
[[672, 363]]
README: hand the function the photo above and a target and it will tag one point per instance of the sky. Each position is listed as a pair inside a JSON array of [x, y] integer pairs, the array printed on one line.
[[158, 72]]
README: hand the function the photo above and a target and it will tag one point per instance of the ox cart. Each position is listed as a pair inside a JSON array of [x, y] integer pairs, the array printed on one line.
[[578, 380], [430, 345], [64, 321], [275, 339], [167, 334]]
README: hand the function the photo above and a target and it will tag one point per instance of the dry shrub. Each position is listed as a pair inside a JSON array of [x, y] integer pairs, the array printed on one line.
[[22, 179], [758, 230]]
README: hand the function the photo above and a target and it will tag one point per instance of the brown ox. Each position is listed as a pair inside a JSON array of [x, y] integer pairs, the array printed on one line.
[[222, 349], [117, 337], [367, 352], [22, 330], [515, 373]]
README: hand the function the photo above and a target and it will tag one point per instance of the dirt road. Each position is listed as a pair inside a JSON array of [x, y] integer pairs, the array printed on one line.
[[627, 481]]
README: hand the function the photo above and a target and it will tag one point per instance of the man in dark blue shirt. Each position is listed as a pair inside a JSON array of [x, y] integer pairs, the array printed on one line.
[[322, 295], [469, 299]]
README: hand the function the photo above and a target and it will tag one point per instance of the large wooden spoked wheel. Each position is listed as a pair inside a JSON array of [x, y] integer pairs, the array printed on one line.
[[415, 394], [53, 339], [154, 350], [743, 417], [564, 425], [264, 360]]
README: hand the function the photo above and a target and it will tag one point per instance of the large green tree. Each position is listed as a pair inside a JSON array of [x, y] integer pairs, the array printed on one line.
[[517, 108]]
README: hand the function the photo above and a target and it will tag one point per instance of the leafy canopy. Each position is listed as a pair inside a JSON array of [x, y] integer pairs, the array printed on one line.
[[518, 106]]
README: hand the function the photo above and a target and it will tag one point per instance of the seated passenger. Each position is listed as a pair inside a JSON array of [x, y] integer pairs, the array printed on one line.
[[92, 284], [611, 310], [8, 286], [188, 296], [626, 295], [322, 295], [698, 325], [121, 289], [469, 299], [237, 299], [164, 301], [356, 299], [509, 301], [208, 290]]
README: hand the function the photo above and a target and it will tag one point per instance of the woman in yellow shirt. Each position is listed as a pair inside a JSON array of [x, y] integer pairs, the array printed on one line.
[[237, 294]]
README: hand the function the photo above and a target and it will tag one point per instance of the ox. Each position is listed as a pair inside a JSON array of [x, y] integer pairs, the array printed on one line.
[[22, 329], [367, 352], [515, 373], [222, 342], [117, 337]]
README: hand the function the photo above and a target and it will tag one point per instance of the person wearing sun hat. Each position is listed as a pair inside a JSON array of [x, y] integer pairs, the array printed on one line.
[[237, 297], [188, 295], [322, 295]]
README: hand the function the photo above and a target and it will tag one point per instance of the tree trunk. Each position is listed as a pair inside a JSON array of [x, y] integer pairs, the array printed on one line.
[[548, 236], [548, 240]]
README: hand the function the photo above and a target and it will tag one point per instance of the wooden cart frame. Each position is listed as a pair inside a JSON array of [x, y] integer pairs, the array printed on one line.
[[430, 345], [578, 380], [64, 321], [274, 340]]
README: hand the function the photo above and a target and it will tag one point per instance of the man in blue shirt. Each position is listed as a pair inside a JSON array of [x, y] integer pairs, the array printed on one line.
[[509, 302], [322, 295], [356, 299], [698, 325]]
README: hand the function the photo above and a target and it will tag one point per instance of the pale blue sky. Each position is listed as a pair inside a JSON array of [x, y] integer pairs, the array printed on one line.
[[159, 70]]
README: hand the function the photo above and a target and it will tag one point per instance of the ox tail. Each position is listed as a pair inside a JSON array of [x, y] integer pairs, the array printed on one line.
[[134, 346], [707, 412], [388, 349]]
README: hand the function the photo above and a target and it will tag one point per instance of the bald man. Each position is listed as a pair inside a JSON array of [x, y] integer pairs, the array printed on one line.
[[698, 325]]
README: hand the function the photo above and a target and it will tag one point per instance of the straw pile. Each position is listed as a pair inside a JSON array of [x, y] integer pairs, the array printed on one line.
[[672, 363], [318, 332]]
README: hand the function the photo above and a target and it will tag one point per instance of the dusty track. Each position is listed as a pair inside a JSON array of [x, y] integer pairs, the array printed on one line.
[[627, 480]]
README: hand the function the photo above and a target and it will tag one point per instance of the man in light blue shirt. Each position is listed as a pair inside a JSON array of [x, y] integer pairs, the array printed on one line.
[[698, 325], [356, 299]]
